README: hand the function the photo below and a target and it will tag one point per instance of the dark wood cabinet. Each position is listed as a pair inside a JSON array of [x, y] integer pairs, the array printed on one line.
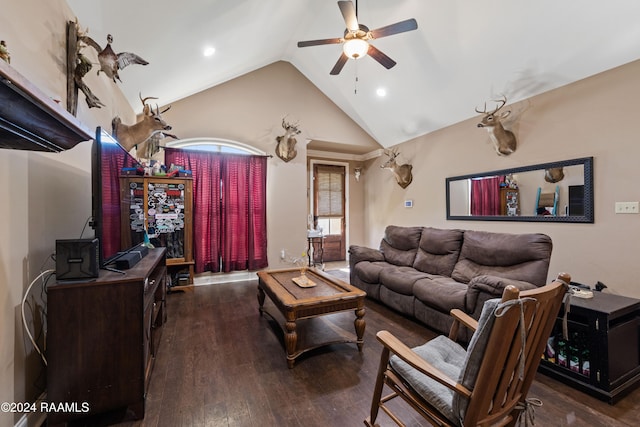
[[602, 353], [103, 336]]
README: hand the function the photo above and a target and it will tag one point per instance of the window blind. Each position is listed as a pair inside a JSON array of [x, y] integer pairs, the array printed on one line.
[[329, 190]]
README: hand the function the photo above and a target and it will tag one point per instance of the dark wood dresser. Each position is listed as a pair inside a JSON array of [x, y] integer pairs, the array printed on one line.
[[103, 335]]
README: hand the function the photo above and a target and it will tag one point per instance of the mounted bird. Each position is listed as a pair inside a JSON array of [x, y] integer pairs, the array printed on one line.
[[111, 62]]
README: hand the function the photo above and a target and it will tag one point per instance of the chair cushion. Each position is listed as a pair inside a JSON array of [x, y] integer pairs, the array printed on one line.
[[445, 355], [475, 354]]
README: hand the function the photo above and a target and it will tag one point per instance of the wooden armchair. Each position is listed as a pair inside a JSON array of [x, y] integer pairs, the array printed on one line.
[[486, 384]]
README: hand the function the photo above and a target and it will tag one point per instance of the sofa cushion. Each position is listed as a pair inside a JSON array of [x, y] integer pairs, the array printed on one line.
[[401, 303], [369, 272], [400, 244], [400, 279], [514, 256], [441, 293], [438, 251]]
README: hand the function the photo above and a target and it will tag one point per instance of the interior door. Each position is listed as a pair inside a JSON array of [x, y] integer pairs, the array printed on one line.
[[329, 210]]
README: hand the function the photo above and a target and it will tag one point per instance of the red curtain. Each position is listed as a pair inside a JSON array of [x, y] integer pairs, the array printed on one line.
[[229, 200], [244, 231], [485, 196], [113, 158]]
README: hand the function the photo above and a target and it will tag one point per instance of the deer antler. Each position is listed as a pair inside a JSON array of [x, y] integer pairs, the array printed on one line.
[[502, 104], [144, 101]]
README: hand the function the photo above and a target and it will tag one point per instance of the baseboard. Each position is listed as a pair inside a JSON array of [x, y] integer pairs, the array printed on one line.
[[33, 419], [217, 278]]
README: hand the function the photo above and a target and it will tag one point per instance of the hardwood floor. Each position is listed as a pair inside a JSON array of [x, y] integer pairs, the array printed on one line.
[[222, 364]]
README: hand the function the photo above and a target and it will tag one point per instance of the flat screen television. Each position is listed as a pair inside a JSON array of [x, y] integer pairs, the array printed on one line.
[[108, 158]]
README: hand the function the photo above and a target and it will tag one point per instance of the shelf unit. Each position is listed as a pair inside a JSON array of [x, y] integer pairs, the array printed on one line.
[[162, 206], [509, 201], [30, 120], [602, 355]]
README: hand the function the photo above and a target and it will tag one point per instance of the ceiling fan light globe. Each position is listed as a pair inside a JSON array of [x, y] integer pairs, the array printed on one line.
[[355, 48]]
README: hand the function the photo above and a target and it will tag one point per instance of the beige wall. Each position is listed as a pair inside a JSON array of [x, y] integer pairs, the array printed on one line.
[[595, 117], [250, 109], [45, 196]]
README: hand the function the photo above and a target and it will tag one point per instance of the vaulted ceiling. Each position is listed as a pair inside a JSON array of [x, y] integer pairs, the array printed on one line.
[[463, 53]]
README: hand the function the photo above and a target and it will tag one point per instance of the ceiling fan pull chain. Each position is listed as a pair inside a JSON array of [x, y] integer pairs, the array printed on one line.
[[355, 83]]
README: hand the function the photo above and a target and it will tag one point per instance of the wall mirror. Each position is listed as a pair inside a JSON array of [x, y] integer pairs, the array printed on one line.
[[556, 192]]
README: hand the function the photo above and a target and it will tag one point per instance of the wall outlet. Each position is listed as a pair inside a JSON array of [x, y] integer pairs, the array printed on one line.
[[627, 207]]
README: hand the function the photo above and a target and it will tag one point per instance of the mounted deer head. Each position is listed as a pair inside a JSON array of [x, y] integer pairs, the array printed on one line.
[[151, 122], [357, 172], [554, 175], [401, 172], [286, 148], [503, 140]]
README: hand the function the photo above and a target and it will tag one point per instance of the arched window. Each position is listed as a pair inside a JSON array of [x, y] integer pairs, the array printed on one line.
[[216, 145]]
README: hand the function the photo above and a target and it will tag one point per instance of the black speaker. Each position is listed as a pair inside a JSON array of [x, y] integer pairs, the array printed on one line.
[[130, 258], [77, 259]]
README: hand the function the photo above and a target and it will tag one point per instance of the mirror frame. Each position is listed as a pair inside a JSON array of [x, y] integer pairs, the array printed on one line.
[[588, 216]]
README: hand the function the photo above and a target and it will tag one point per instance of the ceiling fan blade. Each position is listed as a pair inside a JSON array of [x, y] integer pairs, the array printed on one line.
[[319, 42], [383, 59], [398, 27], [339, 65], [349, 15]]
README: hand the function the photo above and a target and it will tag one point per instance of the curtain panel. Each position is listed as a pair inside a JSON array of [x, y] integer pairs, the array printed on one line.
[[485, 196], [229, 209]]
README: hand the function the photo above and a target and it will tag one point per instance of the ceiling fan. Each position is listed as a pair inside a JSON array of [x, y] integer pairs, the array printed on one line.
[[357, 36]]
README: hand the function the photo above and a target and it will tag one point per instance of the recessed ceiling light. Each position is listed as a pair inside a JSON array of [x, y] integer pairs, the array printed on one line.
[[381, 92], [209, 51]]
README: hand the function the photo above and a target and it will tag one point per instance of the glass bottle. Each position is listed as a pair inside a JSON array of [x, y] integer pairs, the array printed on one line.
[[562, 352]]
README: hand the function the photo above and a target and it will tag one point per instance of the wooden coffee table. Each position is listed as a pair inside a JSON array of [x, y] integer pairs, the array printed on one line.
[[329, 295]]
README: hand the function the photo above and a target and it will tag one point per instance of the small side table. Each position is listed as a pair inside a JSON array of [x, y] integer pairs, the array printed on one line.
[[315, 249], [602, 355]]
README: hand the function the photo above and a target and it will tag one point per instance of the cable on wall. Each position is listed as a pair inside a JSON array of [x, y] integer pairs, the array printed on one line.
[[24, 319]]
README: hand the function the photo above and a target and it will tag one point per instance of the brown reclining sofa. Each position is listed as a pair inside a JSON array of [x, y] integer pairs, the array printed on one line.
[[424, 272]]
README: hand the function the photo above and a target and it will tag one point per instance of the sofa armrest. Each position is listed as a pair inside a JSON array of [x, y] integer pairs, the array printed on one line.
[[362, 253], [484, 287]]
